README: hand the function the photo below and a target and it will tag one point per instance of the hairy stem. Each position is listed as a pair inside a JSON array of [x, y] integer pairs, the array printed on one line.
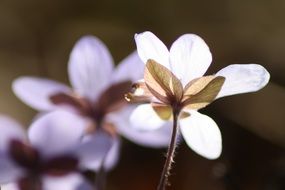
[[170, 154]]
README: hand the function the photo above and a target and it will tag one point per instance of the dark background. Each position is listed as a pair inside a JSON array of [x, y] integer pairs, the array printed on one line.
[[36, 38]]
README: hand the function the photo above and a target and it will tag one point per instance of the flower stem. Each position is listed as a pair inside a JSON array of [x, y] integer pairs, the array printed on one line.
[[170, 154]]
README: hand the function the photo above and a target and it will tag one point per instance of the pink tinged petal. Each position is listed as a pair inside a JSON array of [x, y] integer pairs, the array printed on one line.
[[131, 68], [9, 130], [150, 47], [90, 67], [190, 57], [57, 133], [9, 171], [156, 138], [69, 182], [202, 135], [93, 150], [144, 118], [36, 92], [243, 78]]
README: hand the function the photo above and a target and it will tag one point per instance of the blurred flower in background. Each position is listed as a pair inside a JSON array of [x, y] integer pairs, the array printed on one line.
[[53, 151], [97, 95]]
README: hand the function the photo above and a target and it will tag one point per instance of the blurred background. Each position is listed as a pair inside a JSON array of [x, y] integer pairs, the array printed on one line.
[[37, 36]]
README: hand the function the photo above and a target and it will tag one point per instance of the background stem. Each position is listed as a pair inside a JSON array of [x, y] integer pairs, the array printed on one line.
[[100, 181]]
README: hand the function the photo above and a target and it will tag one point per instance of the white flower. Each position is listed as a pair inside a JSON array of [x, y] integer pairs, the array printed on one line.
[[97, 94], [52, 154], [174, 78]]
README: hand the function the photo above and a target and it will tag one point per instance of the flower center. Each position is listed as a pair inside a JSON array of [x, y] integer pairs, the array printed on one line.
[[111, 100], [29, 158]]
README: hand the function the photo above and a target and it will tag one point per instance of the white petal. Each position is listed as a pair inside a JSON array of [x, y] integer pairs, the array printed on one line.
[[155, 138], [36, 92], [202, 134], [150, 47], [145, 118], [94, 149], [69, 182], [9, 130], [131, 68], [242, 78], [90, 66], [56, 133], [9, 171], [190, 57]]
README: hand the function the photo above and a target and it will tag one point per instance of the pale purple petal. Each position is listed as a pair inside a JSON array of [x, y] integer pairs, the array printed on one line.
[[57, 132], [9, 130], [90, 67], [9, 171], [68, 182], [93, 150], [190, 57], [202, 135], [144, 118], [36, 92], [243, 78], [131, 68], [155, 138], [10, 186], [113, 155], [150, 47]]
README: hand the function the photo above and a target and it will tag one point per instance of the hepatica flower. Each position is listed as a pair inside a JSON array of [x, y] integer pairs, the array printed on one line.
[[51, 155], [97, 94], [174, 89]]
